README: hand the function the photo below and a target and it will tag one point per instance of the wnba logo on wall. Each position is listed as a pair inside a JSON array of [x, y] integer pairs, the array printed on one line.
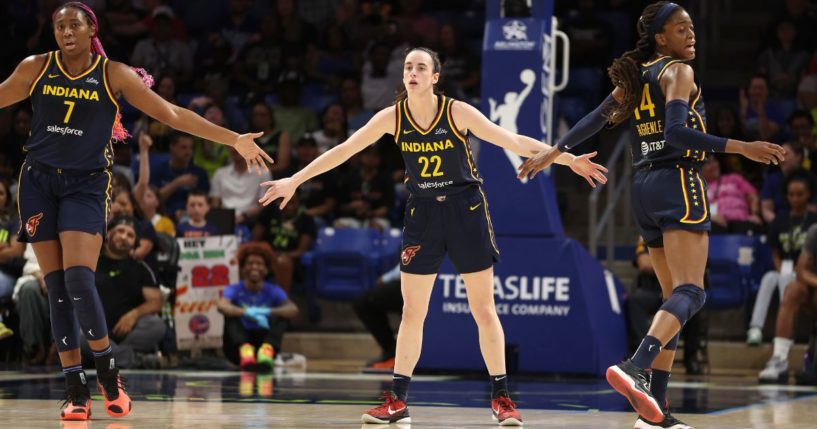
[[515, 34], [199, 324]]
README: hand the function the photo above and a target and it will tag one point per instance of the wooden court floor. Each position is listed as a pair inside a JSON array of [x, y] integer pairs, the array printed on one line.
[[321, 400]]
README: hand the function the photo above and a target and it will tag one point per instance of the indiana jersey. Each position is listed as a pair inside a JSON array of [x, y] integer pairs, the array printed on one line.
[[73, 116], [648, 120], [438, 160]]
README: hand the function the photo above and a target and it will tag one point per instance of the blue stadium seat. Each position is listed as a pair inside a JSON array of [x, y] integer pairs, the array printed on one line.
[[344, 263], [730, 270]]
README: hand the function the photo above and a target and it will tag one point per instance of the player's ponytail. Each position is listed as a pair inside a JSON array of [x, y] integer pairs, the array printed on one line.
[[402, 94], [624, 72], [118, 132]]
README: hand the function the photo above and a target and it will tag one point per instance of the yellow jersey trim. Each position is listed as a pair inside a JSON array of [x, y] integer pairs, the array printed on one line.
[[108, 198], [41, 74], [398, 122], [433, 123], [451, 121], [686, 219], [471, 164], [108, 85], [663, 69], [649, 63], [700, 119], [19, 185], [490, 224], [83, 74]]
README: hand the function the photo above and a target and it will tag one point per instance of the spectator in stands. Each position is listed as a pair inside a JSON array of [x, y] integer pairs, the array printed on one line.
[[460, 63], [646, 299], [14, 141], [786, 236], [352, 102], [296, 32], [801, 126], [333, 127], [129, 295], [760, 118], [179, 175], [424, 28], [260, 61], [290, 115], [799, 294], [158, 131], [235, 187], [379, 81], [799, 12], [290, 232], [784, 61], [207, 154], [240, 26], [11, 250], [725, 122], [807, 96], [31, 302], [256, 312], [319, 194], [335, 60], [162, 55], [734, 206], [148, 196], [124, 204], [274, 142], [372, 308], [196, 224], [367, 194], [772, 195]]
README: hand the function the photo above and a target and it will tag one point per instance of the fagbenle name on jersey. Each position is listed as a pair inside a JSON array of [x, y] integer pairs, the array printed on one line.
[[61, 91], [426, 146], [650, 128]]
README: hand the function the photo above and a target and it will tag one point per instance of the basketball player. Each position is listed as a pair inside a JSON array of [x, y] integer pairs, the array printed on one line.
[[446, 213], [657, 92], [65, 182]]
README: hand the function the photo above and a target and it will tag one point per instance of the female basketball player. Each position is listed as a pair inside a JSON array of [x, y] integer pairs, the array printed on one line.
[[656, 87], [446, 211], [64, 184]]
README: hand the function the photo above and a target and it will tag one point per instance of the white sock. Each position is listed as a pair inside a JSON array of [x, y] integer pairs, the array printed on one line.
[[782, 347]]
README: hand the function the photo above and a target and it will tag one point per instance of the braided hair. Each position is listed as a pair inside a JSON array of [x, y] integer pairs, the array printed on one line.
[[118, 132], [625, 70]]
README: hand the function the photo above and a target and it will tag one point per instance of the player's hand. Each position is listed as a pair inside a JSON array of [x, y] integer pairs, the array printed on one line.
[[125, 324], [592, 172], [255, 157], [282, 188], [542, 160], [145, 142], [765, 152]]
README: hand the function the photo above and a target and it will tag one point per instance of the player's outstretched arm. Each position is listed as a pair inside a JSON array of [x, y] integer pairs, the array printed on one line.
[[678, 82], [125, 81], [17, 86], [383, 122], [468, 117]]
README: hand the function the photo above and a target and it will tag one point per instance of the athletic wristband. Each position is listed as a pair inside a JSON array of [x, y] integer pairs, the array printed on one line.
[[677, 134], [587, 127]]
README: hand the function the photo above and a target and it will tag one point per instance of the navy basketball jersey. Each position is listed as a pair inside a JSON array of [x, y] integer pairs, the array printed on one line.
[[439, 159], [648, 119], [73, 116]]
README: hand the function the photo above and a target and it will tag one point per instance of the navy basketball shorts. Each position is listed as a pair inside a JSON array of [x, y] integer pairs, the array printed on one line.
[[51, 201], [672, 197], [458, 224]]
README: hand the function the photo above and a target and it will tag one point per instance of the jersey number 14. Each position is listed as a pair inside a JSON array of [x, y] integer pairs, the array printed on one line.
[[646, 103]]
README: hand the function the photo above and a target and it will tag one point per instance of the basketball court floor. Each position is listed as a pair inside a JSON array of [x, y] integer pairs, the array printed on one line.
[[178, 399]]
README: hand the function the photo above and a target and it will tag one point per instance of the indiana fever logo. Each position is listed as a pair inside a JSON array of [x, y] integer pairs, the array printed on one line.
[[408, 254], [32, 223]]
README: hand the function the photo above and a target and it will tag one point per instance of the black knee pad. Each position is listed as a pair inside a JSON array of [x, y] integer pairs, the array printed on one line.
[[81, 288], [685, 301], [673, 343]]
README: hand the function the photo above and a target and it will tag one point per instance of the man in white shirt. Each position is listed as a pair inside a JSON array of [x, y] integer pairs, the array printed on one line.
[[235, 187]]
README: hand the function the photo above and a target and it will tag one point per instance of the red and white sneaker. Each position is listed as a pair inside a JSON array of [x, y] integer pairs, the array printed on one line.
[[117, 401], [393, 410], [504, 411], [77, 405]]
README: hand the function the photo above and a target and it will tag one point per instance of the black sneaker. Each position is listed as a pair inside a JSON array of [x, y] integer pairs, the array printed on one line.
[[112, 388], [669, 422], [634, 384], [77, 403]]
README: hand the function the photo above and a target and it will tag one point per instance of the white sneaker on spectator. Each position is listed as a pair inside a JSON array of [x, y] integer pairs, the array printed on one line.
[[776, 371], [754, 336]]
